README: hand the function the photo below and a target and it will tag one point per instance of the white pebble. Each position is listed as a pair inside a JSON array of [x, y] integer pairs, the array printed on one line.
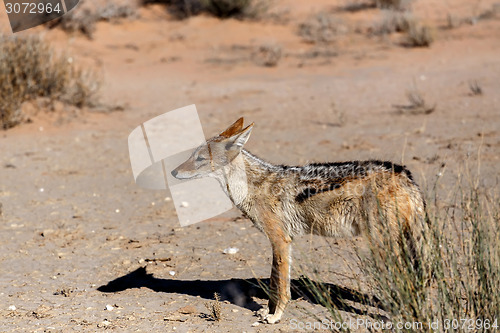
[[41, 189], [117, 210], [109, 307], [255, 324], [12, 308], [184, 204], [168, 199], [231, 250], [171, 273]]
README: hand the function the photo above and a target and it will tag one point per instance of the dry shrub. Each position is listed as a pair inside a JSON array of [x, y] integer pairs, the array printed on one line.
[[240, 9], [30, 69], [394, 4], [85, 16], [475, 88], [416, 104], [215, 308], [460, 280], [357, 5], [394, 21], [418, 36], [267, 55], [454, 282], [322, 27]]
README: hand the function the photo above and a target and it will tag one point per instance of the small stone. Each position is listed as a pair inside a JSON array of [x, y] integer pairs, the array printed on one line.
[[255, 324], [188, 309], [12, 308], [109, 307], [231, 250], [184, 204], [172, 273], [117, 210]]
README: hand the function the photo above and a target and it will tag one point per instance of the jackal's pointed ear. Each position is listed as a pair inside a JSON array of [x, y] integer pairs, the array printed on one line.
[[239, 139], [233, 129]]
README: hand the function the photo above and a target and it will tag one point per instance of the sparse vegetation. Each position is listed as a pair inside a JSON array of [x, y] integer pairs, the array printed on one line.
[[475, 88], [90, 12], [397, 5], [459, 280], [418, 35], [30, 69], [267, 55], [416, 104], [394, 21], [214, 308], [241, 9], [322, 27], [464, 264], [394, 4]]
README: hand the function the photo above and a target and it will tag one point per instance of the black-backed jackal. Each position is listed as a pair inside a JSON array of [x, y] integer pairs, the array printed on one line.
[[332, 199]]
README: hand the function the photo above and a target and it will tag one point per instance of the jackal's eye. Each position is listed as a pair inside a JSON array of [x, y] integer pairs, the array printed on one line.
[[200, 158]]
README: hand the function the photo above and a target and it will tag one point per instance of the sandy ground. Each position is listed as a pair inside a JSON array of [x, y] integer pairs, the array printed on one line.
[[82, 248]]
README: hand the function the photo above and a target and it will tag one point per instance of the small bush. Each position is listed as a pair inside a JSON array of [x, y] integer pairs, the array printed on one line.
[[356, 5], [84, 18], [267, 55], [419, 36], [416, 104], [394, 4], [215, 308], [394, 21], [30, 69], [241, 9], [456, 285], [475, 88], [321, 28]]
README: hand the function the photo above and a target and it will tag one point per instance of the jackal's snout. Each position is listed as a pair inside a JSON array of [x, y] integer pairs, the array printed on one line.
[[174, 173]]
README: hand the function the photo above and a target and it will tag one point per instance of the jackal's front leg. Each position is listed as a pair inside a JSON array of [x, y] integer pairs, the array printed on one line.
[[280, 276]]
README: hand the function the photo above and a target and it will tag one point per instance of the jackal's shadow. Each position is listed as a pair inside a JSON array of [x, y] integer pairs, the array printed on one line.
[[241, 291]]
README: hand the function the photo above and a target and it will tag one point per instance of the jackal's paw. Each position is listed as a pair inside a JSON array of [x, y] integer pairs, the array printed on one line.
[[266, 317], [262, 313], [272, 318]]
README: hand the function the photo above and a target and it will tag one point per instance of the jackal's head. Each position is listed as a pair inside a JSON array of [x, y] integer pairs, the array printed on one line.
[[216, 153]]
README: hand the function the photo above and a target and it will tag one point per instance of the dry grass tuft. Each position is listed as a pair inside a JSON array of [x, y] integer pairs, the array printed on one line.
[[30, 69], [357, 5], [416, 104], [394, 21], [267, 55], [475, 88], [394, 4], [418, 36], [240, 9], [322, 27], [215, 308], [452, 281], [88, 13]]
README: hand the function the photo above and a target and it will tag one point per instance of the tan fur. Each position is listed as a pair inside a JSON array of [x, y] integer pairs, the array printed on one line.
[[340, 199]]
